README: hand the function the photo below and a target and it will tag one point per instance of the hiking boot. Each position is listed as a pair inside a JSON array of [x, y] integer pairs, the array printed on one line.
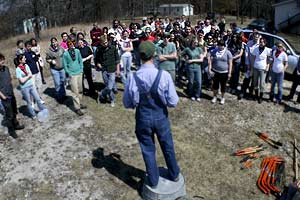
[[19, 127], [83, 106], [79, 112]]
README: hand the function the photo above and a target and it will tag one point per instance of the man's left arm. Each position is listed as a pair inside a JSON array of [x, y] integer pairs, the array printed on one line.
[[171, 94], [117, 61], [128, 93], [173, 54], [80, 61]]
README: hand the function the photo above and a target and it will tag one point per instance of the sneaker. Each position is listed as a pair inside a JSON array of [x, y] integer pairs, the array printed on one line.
[[13, 134], [42, 102], [83, 106], [79, 112], [240, 96], [101, 99], [198, 99], [176, 179], [214, 100], [33, 117], [112, 104], [222, 101], [32, 105], [193, 99]]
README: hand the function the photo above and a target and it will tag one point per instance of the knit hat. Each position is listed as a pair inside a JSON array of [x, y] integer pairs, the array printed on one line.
[[147, 50]]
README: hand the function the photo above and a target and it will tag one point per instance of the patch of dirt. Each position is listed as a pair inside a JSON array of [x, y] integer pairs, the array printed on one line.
[[54, 160]]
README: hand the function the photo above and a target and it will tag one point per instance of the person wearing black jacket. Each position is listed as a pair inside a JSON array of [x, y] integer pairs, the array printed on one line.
[[8, 99], [296, 82], [87, 55]]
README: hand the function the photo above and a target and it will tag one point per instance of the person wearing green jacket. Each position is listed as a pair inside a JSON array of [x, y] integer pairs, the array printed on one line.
[[73, 65]]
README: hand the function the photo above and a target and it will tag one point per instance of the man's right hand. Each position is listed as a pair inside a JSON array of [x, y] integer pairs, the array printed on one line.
[[99, 66]]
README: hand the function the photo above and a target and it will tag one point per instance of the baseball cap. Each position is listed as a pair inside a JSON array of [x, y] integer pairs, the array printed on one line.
[[147, 50]]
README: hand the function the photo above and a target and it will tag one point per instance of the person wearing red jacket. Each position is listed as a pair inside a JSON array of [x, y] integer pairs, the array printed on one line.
[[95, 35]]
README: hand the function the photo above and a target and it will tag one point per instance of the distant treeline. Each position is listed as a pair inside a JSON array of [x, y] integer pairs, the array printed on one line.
[[64, 12]]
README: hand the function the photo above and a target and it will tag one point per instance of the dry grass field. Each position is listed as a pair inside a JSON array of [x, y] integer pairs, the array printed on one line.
[[55, 160]]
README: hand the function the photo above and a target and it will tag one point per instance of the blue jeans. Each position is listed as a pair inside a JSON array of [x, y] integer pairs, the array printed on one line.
[[145, 134], [195, 82], [110, 83], [137, 57], [234, 81], [277, 78], [29, 92], [259, 79], [126, 61], [59, 77], [1, 106]]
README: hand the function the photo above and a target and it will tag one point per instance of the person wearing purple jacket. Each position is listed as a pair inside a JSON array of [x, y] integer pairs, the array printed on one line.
[[151, 91]]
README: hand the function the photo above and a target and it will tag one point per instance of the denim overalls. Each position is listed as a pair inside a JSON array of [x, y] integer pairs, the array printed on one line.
[[152, 117]]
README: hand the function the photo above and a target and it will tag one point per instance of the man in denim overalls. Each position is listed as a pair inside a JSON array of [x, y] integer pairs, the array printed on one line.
[[151, 91]]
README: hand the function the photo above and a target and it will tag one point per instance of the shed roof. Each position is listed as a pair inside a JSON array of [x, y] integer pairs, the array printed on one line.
[[282, 3], [175, 5]]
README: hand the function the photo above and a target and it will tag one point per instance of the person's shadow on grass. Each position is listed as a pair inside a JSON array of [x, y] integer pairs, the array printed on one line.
[[115, 166]]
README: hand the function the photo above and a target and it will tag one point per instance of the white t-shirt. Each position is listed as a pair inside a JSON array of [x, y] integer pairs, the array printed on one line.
[[248, 51], [206, 29], [278, 66], [125, 44], [260, 61]]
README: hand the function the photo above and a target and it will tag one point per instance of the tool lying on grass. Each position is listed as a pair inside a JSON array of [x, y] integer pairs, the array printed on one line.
[[246, 162], [272, 175], [267, 139], [249, 150]]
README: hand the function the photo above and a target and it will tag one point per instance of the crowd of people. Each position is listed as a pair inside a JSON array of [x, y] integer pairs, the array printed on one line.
[[205, 55]]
